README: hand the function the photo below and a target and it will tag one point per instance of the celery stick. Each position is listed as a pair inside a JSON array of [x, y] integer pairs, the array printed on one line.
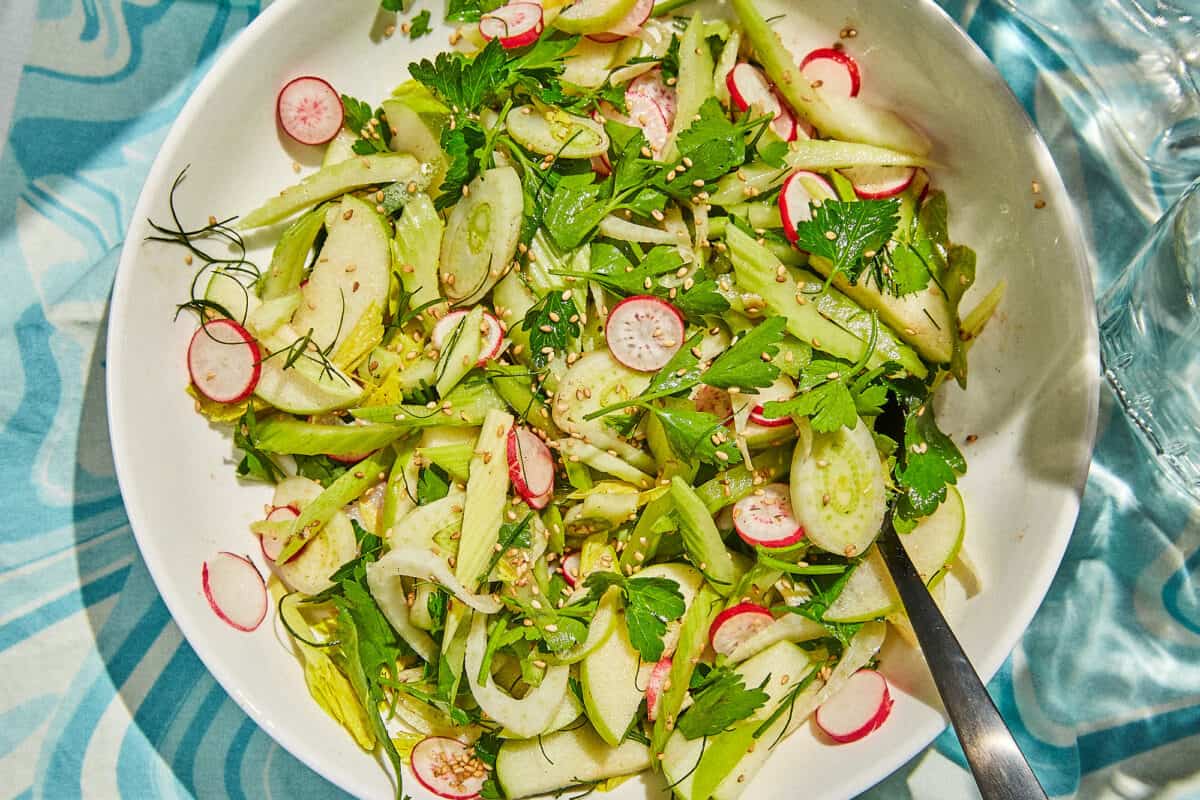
[[398, 496], [291, 254], [345, 489], [461, 352], [832, 116], [695, 82], [486, 491], [288, 435], [693, 638], [597, 459], [454, 458], [824, 318], [701, 538], [466, 405], [513, 383], [416, 247], [336, 180], [733, 484]]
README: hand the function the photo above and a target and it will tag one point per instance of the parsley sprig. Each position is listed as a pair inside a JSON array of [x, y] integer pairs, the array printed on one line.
[[374, 133], [650, 603], [844, 232], [722, 699], [552, 323], [695, 296], [833, 393]]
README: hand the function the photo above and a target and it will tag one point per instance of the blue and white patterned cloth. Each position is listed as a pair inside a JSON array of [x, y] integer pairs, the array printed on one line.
[[101, 697]]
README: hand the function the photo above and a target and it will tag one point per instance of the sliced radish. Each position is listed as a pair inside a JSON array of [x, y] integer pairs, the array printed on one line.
[[878, 183], [515, 25], [309, 110], [493, 337], [781, 389], [765, 517], [448, 768], [629, 26], [758, 417], [652, 106], [223, 361], [711, 400], [541, 501], [736, 624], [748, 87], [530, 464], [602, 166], [799, 191], [862, 705], [656, 685], [835, 69], [235, 590], [644, 332], [569, 567], [272, 546], [786, 125]]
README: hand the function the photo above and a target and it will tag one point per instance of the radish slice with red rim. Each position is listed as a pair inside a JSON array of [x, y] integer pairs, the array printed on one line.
[[736, 624], [643, 332], [655, 686], [493, 336], [836, 70], [652, 105], [749, 88], [515, 25], [235, 590], [781, 389], [539, 502], [309, 110], [765, 517], [569, 567], [272, 546], [223, 361], [786, 125], [799, 191], [879, 183], [448, 768], [860, 707], [530, 464], [629, 26]]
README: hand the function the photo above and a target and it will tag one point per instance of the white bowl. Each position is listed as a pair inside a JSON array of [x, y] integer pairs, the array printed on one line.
[[1032, 399]]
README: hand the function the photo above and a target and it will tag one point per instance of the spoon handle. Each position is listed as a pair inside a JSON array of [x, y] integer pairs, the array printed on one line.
[[1000, 770]]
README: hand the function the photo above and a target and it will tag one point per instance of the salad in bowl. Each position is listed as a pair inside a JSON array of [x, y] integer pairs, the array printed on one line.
[[586, 368]]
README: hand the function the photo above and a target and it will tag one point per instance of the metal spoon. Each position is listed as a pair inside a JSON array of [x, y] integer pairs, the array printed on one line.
[[1000, 770]]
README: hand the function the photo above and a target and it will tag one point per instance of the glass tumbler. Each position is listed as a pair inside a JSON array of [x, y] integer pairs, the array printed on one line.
[[1150, 340]]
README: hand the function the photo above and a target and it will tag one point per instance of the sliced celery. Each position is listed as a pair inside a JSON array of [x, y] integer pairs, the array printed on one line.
[[346, 489], [291, 255], [415, 250], [695, 82], [338, 179], [824, 318], [296, 437], [486, 491]]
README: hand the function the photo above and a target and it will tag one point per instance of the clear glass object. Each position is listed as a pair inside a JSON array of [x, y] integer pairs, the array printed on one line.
[[1139, 62], [1150, 340]]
